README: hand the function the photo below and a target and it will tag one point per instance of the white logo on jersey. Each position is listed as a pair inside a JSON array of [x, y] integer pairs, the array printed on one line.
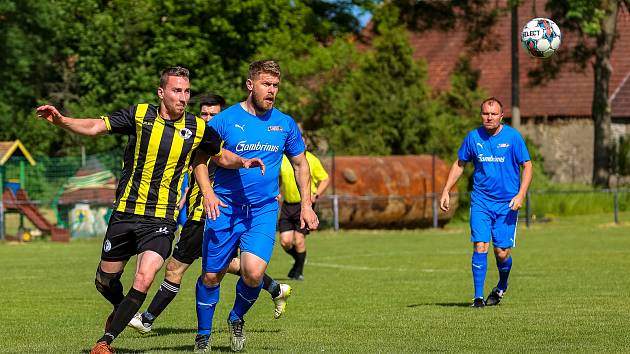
[[185, 133], [503, 145], [243, 146], [162, 230], [490, 158], [480, 145], [107, 246], [241, 127]]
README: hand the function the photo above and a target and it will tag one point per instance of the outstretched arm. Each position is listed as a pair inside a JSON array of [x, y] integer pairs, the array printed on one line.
[[526, 179], [456, 171], [303, 179], [83, 126]]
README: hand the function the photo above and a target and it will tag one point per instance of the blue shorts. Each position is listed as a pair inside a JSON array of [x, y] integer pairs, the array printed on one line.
[[250, 228], [496, 220]]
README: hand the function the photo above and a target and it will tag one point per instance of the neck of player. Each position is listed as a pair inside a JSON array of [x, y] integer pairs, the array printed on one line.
[[495, 131], [166, 114], [252, 108]]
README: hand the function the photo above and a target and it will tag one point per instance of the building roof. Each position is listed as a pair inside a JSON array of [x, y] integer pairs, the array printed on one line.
[[570, 94], [11, 148]]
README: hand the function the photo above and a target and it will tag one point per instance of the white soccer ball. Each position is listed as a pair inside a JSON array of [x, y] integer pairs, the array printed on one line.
[[541, 37]]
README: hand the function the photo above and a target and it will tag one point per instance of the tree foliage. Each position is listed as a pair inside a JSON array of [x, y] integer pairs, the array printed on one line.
[[92, 57]]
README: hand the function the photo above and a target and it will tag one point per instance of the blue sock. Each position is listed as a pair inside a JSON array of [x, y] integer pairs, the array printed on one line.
[[207, 299], [245, 298], [479, 269], [504, 273]]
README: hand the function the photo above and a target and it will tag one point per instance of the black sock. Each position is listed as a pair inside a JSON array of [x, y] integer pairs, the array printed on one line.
[[292, 252], [167, 292], [299, 263], [271, 286], [125, 311]]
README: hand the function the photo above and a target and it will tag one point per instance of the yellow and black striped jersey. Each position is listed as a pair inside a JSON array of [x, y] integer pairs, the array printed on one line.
[[194, 198], [156, 157]]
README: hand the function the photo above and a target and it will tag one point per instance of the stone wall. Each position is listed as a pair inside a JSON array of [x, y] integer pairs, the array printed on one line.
[[566, 145]]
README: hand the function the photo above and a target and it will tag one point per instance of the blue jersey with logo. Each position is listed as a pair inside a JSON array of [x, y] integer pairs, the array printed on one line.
[[267, 137], [497, 160]]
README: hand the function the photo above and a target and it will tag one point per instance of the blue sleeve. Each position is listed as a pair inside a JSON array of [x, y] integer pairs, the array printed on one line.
[[464, 153], [520, 150], [294, 145], [216, 123]]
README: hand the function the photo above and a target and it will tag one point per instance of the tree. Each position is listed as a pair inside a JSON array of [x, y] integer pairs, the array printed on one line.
[[594, 23]]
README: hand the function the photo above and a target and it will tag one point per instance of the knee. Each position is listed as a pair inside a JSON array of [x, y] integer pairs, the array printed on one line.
[[480, 247], [175, 273], [211, 279], [286, 243], [502, 255], [107, 281], [253, 277]]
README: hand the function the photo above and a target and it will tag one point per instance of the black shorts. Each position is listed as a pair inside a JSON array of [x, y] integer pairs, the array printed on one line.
[[290, 218], [129, 234], [188, 246]]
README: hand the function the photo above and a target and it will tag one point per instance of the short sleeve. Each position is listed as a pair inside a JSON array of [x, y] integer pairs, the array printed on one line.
[[520, 150], [211, 142], [121, 121], [464, 153], [294, 145]]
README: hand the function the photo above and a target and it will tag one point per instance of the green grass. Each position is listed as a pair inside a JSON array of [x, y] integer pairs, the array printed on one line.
[[365, 291]]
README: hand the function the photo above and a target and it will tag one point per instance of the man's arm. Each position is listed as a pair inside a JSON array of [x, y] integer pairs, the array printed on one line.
[[303, 179], [456, 171], [321, 188], [228, 159], [211, 203], [84, 126], [526, 179]]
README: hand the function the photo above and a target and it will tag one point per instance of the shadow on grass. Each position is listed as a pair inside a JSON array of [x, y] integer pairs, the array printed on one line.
[[162, 331], [443, 304]]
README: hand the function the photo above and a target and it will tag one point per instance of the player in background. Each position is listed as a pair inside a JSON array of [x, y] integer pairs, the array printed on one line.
[[188, 247], [242, 208], [292, 237], [161, 141], [498, 153]]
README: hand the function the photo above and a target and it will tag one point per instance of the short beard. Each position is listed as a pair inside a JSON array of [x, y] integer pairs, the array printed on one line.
[[258, 107]]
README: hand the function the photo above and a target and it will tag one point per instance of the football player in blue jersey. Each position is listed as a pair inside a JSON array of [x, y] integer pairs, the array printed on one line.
[[502, 174], [241, 207]]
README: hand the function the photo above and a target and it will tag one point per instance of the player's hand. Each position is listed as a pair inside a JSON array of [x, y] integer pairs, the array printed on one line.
[[517, 202], [211, 205], [247, 163], [49, 113], [445, 201], [308, 218]]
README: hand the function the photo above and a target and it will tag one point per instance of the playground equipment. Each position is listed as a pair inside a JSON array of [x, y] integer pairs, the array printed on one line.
[[16, 200]]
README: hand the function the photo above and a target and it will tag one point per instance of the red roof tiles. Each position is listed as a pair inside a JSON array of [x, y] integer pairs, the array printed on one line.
[[570, 94]]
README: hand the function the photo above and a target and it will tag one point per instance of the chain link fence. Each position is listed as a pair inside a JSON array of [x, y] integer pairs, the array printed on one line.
[[76, 193]]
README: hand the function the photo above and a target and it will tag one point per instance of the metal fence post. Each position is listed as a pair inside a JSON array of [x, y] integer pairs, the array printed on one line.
[[335, 200], [434, 194], [528, 209], [616, 207]]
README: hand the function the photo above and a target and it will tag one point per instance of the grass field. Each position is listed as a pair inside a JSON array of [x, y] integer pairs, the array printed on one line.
[[365, 291]]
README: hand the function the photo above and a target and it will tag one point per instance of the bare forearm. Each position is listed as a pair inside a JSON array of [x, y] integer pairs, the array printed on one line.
[[303, 179], [526, 177], [200, 169], [83, 126], [321, 187], [229, 159], [456, 171]]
